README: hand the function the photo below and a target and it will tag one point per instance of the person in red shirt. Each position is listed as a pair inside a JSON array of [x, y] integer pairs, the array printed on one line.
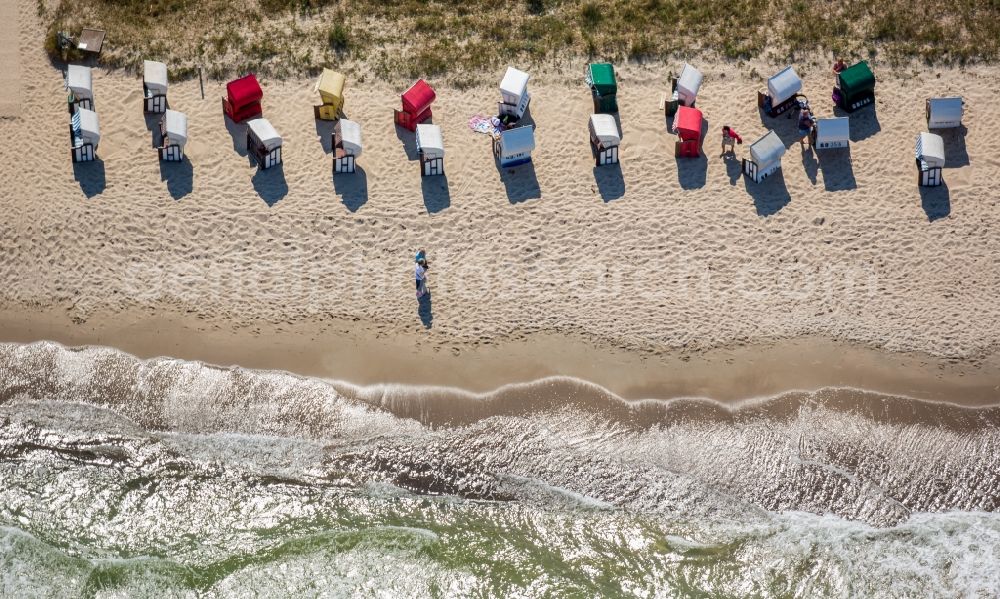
[[730, 138]]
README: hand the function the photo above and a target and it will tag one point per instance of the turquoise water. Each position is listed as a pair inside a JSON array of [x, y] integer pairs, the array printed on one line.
[[120, 477]]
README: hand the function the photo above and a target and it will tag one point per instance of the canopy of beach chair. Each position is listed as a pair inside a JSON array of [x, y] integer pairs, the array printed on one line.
[[79, 81], [768, 149], [689, 81], [244, 91], [688, 123], [930, 150], [944, 112], [90, 127], [833, 129], [518, 140], [430, 141], [783, 85], [331, 86], [602, 77], [176, 126], [154, 76], [514, 83], [604, 128], [350, 136], [418, 97], [856, 79], [265, 132]]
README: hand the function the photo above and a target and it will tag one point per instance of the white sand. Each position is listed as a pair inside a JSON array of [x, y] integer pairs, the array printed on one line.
[[10, 58], [676, 254]]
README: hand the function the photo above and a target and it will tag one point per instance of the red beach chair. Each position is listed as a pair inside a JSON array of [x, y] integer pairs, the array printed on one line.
[[243, 101], [416, 105], [687, 125]]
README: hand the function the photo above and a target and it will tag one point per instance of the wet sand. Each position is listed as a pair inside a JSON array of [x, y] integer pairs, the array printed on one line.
[[366, 354]]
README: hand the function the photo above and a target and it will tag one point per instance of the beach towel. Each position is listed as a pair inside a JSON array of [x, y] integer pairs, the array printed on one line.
[[485, 124]]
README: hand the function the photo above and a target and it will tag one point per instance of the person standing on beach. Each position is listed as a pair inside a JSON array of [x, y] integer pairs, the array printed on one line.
[[420, 272], [730, 138]]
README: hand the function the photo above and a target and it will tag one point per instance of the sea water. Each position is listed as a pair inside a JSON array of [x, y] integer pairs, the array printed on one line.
[[161, 478]]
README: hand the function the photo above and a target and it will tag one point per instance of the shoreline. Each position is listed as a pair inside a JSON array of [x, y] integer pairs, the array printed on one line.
[[361, 353]]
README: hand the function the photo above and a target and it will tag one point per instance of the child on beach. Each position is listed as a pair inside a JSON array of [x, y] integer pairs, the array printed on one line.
[[839, 66], [420, 272], [730, 138]]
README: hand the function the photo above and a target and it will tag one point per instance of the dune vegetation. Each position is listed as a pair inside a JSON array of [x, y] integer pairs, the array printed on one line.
[[457, 38]]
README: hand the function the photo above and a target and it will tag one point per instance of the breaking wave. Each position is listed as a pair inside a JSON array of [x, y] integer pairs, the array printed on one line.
[[147, 477]]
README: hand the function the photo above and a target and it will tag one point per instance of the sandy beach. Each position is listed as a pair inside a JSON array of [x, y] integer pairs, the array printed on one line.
[[653, 379], [662, 258]]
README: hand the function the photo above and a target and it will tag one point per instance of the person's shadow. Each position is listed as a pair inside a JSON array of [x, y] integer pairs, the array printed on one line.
[[734, 167], [810, 163], [424, 309]]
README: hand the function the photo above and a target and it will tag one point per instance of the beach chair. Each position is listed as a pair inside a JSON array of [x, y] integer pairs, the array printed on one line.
[[416, 103], [84, 135], [430, 146], [929, 153], [263, 143], [765, 157], [514, 146], [79, 87], [514, 96], [154, 86], [782, 93], [242, 100], [330, 88], [174, 132], [346, 146], [604, 139]]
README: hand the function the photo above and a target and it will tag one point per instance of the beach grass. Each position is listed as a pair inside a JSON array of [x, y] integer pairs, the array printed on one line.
[[412, 38]]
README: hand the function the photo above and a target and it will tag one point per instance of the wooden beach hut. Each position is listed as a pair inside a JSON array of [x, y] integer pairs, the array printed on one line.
[[945, 113], [930, 159], [330, 87], [604, 139], [154, 86], [416, 103], [782, 92], [242, 101], [514, 146], [603, 87], [687, 125], [84, 134], [765, 157], [80, 87], [514, 96], [174, 133], [430, 146], [855, 87], [263, 143], [346, 146], [831, 132]]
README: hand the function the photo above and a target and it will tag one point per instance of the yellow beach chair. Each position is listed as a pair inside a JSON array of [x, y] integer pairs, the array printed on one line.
[[331, 92]]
